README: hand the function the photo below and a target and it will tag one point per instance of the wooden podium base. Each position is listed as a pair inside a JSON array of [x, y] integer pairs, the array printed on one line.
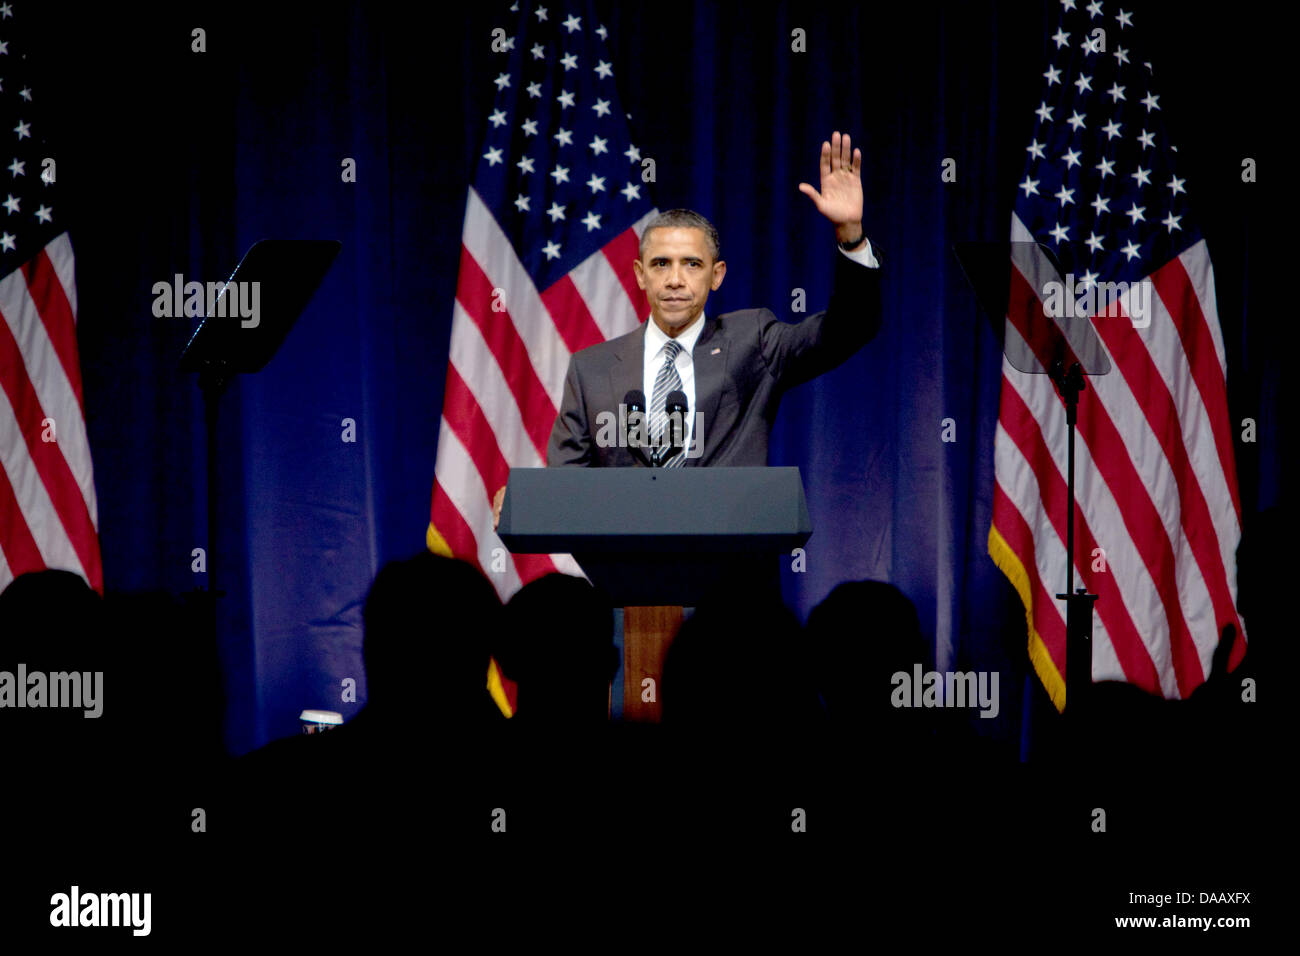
[[647, 633]]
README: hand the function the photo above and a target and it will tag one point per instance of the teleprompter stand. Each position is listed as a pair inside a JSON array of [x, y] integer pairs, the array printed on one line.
[[1078, 603], [654, 540], [236, 339], [1011, 280]]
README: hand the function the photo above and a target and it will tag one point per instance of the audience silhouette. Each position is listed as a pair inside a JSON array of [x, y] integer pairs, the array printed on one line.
[[763, 720]]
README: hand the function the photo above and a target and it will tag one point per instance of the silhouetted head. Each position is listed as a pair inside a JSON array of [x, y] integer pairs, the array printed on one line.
[[560, 649], [737, 664], [862, 634], [43, 606], [430, 624], [51, 633]]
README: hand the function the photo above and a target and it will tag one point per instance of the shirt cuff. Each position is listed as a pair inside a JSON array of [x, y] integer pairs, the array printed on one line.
[[864, 256]]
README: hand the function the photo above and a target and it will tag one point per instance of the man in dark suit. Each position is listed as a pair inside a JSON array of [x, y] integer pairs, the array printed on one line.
[[733, 368]]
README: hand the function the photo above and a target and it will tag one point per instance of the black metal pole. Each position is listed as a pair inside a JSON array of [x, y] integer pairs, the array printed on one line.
[[211, 392], [1071, 417], [212, 382], [1078, 602]]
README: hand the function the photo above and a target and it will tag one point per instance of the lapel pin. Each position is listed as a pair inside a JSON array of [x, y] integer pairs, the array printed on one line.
[[715, 351]]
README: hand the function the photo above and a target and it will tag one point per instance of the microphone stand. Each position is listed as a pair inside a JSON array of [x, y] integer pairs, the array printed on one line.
[[673, 428], [635, 406]]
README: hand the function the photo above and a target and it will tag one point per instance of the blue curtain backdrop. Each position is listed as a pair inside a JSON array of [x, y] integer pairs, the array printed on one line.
[[177, 161]]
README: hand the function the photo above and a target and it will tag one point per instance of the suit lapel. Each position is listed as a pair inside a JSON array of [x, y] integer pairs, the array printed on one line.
[[627, 370]]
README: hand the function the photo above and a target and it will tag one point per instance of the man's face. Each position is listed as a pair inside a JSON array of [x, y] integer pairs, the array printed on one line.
[[677, 274]]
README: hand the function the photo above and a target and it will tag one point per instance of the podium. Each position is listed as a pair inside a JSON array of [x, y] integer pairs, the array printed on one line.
[[655, 539]]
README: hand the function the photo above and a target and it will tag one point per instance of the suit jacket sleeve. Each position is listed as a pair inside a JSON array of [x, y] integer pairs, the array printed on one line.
[[799, 351], [571, 442]]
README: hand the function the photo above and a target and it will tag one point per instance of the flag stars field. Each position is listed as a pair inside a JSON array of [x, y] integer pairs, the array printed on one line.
[[568, 85]]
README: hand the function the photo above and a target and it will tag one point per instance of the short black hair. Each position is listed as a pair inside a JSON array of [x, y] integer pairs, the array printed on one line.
[[683, 219]]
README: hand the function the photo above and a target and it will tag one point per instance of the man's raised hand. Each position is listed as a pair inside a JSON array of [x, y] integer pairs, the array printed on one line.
[[840, 198]]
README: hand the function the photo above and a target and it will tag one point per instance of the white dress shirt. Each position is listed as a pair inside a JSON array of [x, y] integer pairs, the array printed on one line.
[[656, 339]]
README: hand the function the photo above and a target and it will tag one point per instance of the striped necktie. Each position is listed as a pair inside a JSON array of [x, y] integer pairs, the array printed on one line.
[[666, 381]]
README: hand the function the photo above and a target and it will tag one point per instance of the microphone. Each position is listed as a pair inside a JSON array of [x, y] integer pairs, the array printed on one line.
[[634, 401], [674, 427]]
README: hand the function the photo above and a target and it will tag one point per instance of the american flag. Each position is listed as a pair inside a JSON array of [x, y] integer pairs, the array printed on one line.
[[552, 224], [48, 515], [1158, 517]]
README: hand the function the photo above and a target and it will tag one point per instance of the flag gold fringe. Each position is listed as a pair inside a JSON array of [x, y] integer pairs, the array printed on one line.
[[1009, 564], [496, 690], [436, 542]]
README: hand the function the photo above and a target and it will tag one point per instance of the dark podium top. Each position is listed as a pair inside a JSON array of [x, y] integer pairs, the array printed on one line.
[[654, 536]]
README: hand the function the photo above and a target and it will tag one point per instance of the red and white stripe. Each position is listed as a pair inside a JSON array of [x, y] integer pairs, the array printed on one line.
[[1155, 486], [48, 514], [505, 380]]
